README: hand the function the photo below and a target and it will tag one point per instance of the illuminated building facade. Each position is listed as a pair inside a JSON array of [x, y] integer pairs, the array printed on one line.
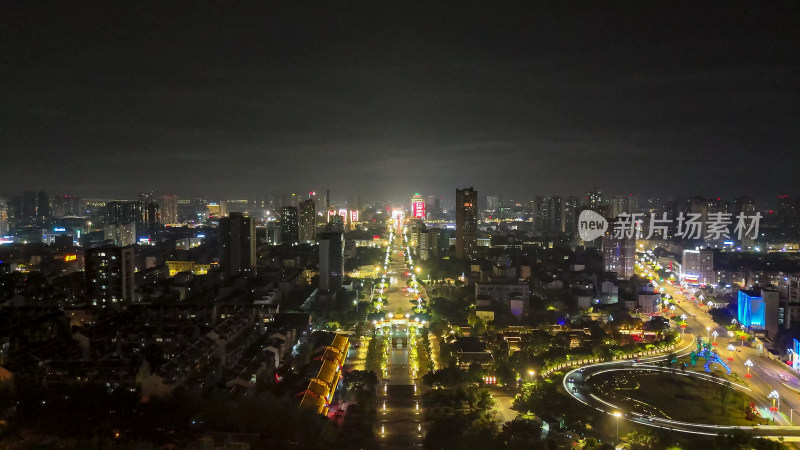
[[697, 267], [418, 207], [109, 276], [758, 310], [307, 221], [466, 223], [176, 267], [290, 233], [619, 255], [169, 208]]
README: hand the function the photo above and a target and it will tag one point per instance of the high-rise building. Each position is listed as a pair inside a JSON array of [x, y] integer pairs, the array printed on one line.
[[123, 213], [28, 206], [424, 245], [120, 234], [594, 200], [4, 217], [618, 205], [151, 221], [492, 205], [466, 223], [541, 212], [759, 309], [434, 237], [42, 205], [331, 261], [147, 197], [572, 209], [66, 205], [619, 255], [697, 267], [290, 233], [788, 215], [417, 207], [670, 209], [237, 240], [308, 221], [169, 209], [110, 276], [747, 207], [554, 213]]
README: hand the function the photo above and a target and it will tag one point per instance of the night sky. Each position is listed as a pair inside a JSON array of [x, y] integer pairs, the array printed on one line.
[[388, 98]]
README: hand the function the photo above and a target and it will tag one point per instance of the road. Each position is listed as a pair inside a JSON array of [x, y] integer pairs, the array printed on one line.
[[767, 375], [398, 274], [400, 421], [503, 402]]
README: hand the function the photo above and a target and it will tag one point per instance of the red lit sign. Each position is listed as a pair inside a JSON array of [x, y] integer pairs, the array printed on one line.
[[418, 210]]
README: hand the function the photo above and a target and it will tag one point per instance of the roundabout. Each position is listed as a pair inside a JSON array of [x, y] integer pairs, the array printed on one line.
[[648, 394]]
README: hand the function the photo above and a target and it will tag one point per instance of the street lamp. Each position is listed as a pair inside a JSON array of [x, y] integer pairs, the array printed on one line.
[[715, 334], [531, 373], [708, 330], [617, 415], [774, 396], [748, 364]]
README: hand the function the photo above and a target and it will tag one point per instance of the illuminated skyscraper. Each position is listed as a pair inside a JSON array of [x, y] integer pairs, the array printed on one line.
[[466, 223], [109, 276], [308, 221], [697, 267], [619, 255], [594, 200], [418, 206], [169, 208], [289, 225], [571, 209], [555, 215]]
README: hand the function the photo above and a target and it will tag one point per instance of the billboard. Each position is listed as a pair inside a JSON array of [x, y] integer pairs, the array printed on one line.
[[417, 206]]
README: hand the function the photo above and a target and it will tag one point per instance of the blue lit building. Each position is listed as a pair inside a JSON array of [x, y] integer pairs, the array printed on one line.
[[758, 310], [751, 309], [794, 354]]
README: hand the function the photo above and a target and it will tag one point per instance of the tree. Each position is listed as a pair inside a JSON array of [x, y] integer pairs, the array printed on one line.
[[441, 433], [480, 435], [520, 433], [485, 400], [641, 441]]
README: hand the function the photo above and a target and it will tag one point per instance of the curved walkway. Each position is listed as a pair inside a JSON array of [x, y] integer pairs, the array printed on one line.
[[574, 383]]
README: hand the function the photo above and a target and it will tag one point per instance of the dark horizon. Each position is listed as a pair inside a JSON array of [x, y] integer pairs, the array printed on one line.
[[107, 99]]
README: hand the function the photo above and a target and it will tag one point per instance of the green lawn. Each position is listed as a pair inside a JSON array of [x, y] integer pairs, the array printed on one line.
[[674, 396]]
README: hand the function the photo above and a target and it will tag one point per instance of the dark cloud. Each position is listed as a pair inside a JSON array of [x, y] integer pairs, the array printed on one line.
[[386, 98]]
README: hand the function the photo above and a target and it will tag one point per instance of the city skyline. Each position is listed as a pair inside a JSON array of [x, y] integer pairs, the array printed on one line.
[[529, 98]]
